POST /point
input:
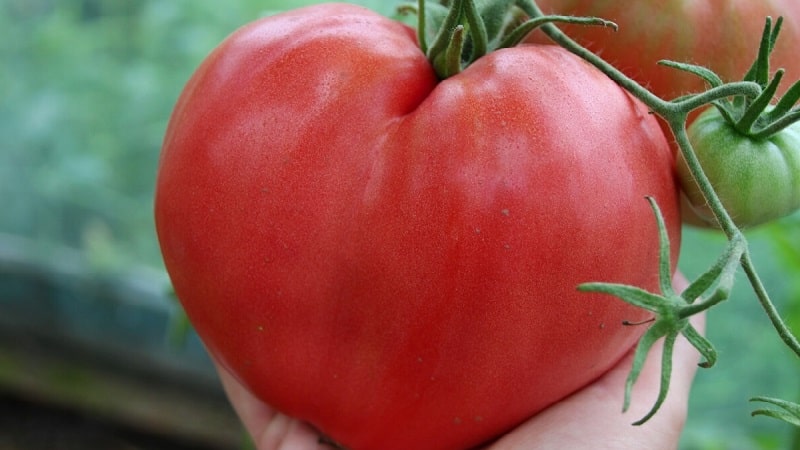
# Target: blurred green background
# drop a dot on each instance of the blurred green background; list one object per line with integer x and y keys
{"x": 86, "y": 89}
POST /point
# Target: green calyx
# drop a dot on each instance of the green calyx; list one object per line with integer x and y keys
{"x": 672, "y": 310}
{"x": 455, "y": 33}
{"x": 755, "y": 117}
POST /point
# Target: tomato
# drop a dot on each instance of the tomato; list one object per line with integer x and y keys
{"x": 757, "y": 180}
{"x": 394, "y": 258}
{"x": 722, "y": 35}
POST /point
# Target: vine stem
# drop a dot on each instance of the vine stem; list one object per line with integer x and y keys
{"x": 777, "y": 321}
{"x": 669, "y": 110}
{"x": 678, "y": 127}
{"x": 676, "y": 114}
{"x": 553, "y": 32}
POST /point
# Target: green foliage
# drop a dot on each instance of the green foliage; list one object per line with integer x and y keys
{"x": 785, "y": 236}
{"x": 87, "y": 91}
{"x": 752, "y": 360}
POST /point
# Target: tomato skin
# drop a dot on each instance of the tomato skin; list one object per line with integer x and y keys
{"x": 722, "y": 35}
{"x": 395, "y": 259}
{"x": 756, "y": 180}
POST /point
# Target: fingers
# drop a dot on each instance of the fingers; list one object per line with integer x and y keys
{"x": 269, "y": 429}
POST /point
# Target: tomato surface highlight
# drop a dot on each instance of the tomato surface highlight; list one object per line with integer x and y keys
{"x": 394, "y": 258}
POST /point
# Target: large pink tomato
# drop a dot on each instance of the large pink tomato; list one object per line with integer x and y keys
{"x": 722, "y": 35}
{"x": 394, "y": 258}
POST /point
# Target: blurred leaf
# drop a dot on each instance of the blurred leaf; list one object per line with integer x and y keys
{"x": 783, "y": 410}
{"x": 785, "y": 236}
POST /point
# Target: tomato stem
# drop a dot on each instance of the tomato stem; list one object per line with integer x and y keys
{"x": 477, "y": 27}
{"x": 422, "y": 20}
{"x": 462, "y": 32}
{"x": 769, "y": 308}
{"x": 556, "y": 35}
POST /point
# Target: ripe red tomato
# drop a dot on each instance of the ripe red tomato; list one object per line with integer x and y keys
{"x": 722, "y": 35}
{"x": 394, "y": 258}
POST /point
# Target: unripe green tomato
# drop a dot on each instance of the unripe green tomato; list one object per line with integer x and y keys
{"x": 757, "y": 180}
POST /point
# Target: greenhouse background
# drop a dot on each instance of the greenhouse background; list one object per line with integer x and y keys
{"x": 90, "y": 339}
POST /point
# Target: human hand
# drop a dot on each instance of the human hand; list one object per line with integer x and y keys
{"x": 591, "y": 418}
